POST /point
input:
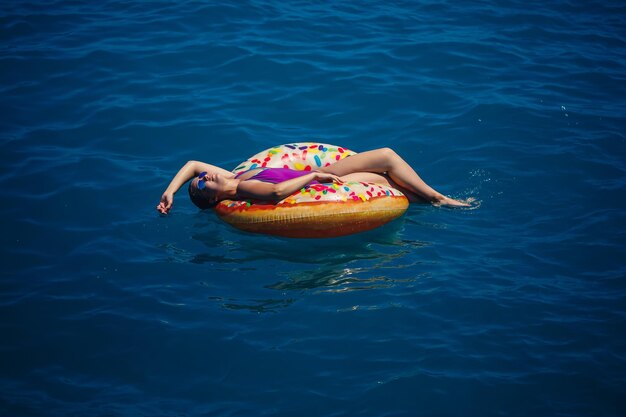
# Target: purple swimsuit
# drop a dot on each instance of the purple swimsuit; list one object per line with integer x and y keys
{"x": 276, "y": 175}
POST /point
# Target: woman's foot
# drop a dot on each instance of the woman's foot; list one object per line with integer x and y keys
{"x": 450, "y": 202}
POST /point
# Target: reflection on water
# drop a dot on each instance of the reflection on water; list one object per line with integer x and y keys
{"x": 342, "y": 279}
{"x": 267, "y": 265}
{"x": 258, "y": 306}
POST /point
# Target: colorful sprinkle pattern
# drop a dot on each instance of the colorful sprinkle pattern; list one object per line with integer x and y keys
{"x": 309, "y": 156}
{"x": 300, "y": 156}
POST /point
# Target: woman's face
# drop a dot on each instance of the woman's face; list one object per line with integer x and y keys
{"x": 213, "y": 185}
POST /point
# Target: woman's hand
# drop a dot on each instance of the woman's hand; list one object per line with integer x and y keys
{"x": 325, "y": 177}
{"x": 167, "y": 199}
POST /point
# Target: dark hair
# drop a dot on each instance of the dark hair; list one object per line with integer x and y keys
{"x": 198, "y": 199}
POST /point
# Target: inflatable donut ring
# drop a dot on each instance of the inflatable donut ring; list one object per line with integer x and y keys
{"x": 317, "y": 210}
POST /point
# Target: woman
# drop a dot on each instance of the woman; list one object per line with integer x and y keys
{"x": 212, "y": 184}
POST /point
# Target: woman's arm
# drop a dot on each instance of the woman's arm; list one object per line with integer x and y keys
{"x": 275, "y": 192}
{"x": 187, "y": 172}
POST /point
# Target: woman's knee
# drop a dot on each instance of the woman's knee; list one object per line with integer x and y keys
{"x": 386, "y": 152}
{"x": 388, "y": 155}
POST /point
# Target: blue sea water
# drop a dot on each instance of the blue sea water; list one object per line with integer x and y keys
{"x": 516, "y": 307}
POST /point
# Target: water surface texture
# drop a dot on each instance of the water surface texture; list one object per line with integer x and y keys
{"x": 516, "y": 307}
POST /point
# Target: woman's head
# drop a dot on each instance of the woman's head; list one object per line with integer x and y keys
{"x": 206, "y": 190}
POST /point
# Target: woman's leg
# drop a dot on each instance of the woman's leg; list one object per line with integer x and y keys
{"x": 385, "y": 160}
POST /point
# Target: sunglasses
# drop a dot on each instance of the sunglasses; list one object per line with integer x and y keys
{"x": 201, "y": 182}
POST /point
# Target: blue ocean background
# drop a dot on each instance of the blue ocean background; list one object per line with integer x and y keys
{"x": 516, "y": 307}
